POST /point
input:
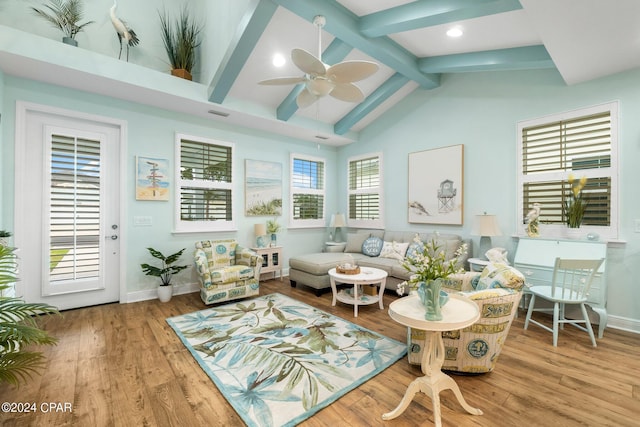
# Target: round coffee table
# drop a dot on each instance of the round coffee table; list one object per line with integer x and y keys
{"x": 459, "y": 312}
{"x": 367, "y": 276}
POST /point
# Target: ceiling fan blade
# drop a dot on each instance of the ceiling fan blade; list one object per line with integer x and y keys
{"x": 347, "y": 92}
{"x": 305, "y": 99}
{"x": 351, "y": 71}
{"x": 307, "y": 62}
{"x": 282, "y": 81}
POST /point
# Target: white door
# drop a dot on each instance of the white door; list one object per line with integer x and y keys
{"x": 67, "y": 210}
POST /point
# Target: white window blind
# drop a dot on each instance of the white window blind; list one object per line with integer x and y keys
{"x": 581, "y": 143}
{"x": 307, "y": 191}
{"x": 365, "y": 191}
{"x": 74, "y": 204}
{"x": 205, "y": 184}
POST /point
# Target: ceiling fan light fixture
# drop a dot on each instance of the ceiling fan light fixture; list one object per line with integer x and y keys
{"x": 320, "y": 86}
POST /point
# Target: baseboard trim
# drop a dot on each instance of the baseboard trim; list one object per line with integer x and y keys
{"x": 623, "y": 323}
{"x": 148, "y": 294}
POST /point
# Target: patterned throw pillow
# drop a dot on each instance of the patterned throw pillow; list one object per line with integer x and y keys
{"x": 394, "y": 250}
{"x": 497, "y": 275}
{"x": 414, "y": 249}
{"x": 372, "y": 246}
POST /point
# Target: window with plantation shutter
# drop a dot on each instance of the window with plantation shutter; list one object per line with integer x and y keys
{"x": 365, "y": 191}
{"x": 578, "y": 144}
{"x": 204, "y": 185}
{"x": 307, "y": 191}
{"x": 74, "y": 209}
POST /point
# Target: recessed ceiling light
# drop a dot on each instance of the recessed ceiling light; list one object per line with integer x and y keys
{"x": 454, "y": 32}
{"x": 278, "y": 60}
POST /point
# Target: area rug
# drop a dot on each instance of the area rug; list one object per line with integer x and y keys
{"x": 278, "y": 361}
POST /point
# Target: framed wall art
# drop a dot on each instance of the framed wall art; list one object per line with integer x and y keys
{"x": 435, "y": 186}
{"x": 263, "y": 188}
{"x": 152, "y": 181}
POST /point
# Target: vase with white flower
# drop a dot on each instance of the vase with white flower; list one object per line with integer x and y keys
{"x": 576, "y": 205}
{"x": 429, "y": 268}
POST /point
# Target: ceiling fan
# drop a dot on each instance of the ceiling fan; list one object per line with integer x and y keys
{"x": 321, "y": 79}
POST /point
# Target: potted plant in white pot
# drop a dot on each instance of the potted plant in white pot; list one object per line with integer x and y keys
{"x": 165, "y": 272}
{"x": 180, "y": 39}
{"x": 65, "y": 15}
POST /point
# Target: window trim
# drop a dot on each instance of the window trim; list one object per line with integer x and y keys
{"x": 202, "y": 226}
{"x": 367, "y": 223}
{"x": 557, "y": 230}
{"x": 307, "y": 223}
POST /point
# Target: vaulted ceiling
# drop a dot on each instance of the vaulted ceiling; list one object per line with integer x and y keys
{"x": 581, "y": 39}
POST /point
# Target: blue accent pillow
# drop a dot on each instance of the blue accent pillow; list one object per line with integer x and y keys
{"x": 414, "y": 248}
{"x": 372, "y": 246}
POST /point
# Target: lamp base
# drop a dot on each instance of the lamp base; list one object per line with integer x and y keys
{"x": 484, "y": 246}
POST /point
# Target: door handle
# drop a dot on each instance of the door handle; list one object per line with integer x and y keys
{"x": 112, "y": 237}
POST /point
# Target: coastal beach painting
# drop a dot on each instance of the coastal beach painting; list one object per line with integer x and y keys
{"x": 152, "y": 181}
{"x": 263, "y": 188}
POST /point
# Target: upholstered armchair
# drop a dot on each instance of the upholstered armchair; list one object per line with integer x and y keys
{"x": 497, "y": 291}
{"x": 226, "y": 270}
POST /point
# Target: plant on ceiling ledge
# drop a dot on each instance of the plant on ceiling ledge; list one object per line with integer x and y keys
{"x": 180, "y": 39}
{"x": 66, "y": 16}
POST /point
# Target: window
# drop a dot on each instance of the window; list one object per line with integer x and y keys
{"x": 365, "y": 191}
{"x": 204, "y": 184}
{"x": 307, "y": 191}
{"x": 580, "y": 143}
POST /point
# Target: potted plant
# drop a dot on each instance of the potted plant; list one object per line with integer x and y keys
{"x": 180, "y": 41}
{"x": 3, "y": 237}
{"x": 65, "y": 15}
{"x": 19, "y": 327}
{"x": 272, "y": 228}
{"x": 575, "y": 206}
{"x": 165, "y": 272}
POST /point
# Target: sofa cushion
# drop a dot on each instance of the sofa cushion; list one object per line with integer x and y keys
{"x": 386, "y": 264}
{"x": 230, "y": 274}
{"x": 355, "y": 241}
{"x": 372, "y": 246}
{"x": 320, "y": 263}
{"x": 394, "y": 250}
{"x": 497, "y": 275}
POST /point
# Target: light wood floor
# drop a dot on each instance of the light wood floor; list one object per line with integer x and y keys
{"x": 121, "y": 365}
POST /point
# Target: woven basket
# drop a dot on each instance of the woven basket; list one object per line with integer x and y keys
{"x": 352, "y": 270}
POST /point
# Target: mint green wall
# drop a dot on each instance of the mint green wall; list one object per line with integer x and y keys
{"x": 2, "y": 153}
{"x": 481, "y": 111}
{"x": 151, "y": 133}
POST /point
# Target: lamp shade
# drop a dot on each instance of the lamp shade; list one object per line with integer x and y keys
{"x": 260, "y": 229}
{"x": 338, "y": 220}
{"x": 486, "y": 225}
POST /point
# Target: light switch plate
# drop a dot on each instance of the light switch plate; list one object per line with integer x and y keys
{"x": 142, "y": 221}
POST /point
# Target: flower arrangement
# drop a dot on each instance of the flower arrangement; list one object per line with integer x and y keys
{"x": 429, "y": 263}
{"x": 575, "y": 205}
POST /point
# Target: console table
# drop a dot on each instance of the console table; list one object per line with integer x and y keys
{"x": 535, "y": 258}
{"x": 459, "y": 312}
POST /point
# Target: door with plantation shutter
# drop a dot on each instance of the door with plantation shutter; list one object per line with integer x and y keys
{"x": 70, "y": 241}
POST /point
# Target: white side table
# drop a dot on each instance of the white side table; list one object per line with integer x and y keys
{"x": 459, "y": 312}
{"x": 367, "y": 276}
{"x": 477, "y": 264}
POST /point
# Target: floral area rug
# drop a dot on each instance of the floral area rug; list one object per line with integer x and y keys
{"x": 278, "y": 361}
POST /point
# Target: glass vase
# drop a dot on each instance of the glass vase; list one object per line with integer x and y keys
{"x": 433, "y": 298}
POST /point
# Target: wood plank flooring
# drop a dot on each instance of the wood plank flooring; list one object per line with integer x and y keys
{"x": 121, "y": 365}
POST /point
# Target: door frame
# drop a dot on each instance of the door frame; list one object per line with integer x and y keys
{"x": 23, "y": 108}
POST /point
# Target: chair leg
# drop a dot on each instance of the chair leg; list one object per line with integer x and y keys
{"x": 588, "y": 324}
{"x": 556, "y": 314}
{"x": 562, "y": 318}
{"x": 532, "y": 302}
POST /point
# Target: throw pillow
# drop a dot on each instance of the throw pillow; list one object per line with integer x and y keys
{"x": 497, "y": 275}
{"x": 394, "y": 250}
{"x": 413, "y": 249}
{"x": 355, "y": 241}
{"x": 372, "y": 246}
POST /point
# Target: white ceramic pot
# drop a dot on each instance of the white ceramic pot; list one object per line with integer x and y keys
{"x": 573, "y": 233}
{"x": 165, "y": 293}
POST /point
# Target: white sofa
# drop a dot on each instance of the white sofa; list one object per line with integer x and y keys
{"x": 312, "y": 269}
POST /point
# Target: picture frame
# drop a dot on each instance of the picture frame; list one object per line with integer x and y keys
{"x": 435, "y": 188}
{"x": 263, "y": 188}
{"x": 152, "y": 181}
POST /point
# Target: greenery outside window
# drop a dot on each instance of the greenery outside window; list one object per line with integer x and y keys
{"x": 365, "y": 191}
{"x": 582, "y": 143}
{"x": 307, "y": 191}
{"x": 204, "y": 184}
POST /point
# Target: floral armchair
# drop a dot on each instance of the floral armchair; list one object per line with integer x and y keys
{"x": 475, "y": 349}
{"x": 226, "y": 270}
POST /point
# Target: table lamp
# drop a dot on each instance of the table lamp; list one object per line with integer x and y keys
{"x": 486, "y": 226}
{"x": 260, "y": 230}
{"x": 337, "y": 220}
